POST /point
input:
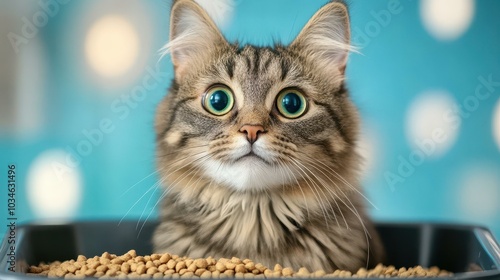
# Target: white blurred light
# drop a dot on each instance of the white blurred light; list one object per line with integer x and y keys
{"x": 496, "y": 124}
{"x": 112, "y": 46}
{"x": 53, "y": 188}
{"x": 369, "y": 150}
{"x": 447, "y": 19}
{"x": 426, "y": 120}
{"x": 480, "y": 192}
{"x": 221, "y": 11}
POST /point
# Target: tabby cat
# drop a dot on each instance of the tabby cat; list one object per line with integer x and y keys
{"x": 257, "y": 148}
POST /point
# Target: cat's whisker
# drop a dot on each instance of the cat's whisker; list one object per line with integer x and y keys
{"x": 177, "y": 151}
{"x": 367, "y": 233}
{"x": 191, "y": 162}
{"x": 164, "y": 193}
{"x": 172, "y": 165}
{"x": 282, "y": 166}
{"x": 198, "y": 169}
{"x": 332, "y": 192}
{"x": 216, "y": 171}
{"x": 155, "y": 186}
{"x": 360, "y": 219}
{"x": 339, "y": 189}
{"x": 354, "y": 210}
{"x": 195, "y": 169}
{"x": 181, "y": 157}
{"x": 315, "y": 192}
{"x": 127, "y": 190}
{"x": 144, "y": 210}
{"x": 342, "y": 179}
{"x": 321, "y": 189}
{"x": 137, "y": 201}
{"x": 187, "y": 173}
{"x": 356, "y": 213}
{"x": 354, "y": 188}
{"x": 282, "y": 174}
{"x": 190, "y": 170}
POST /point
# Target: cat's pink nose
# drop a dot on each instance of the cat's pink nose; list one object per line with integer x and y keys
{"x": 252, "y": 132}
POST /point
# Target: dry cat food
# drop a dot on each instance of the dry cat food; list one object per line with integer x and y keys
{"x": 165, "y": 266}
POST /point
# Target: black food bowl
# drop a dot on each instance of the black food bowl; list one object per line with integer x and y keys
{"x": 467, "y": 251}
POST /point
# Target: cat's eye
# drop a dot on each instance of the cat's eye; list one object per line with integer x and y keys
{"x": 291, "y": 103}
{"x": 218, "y": 100}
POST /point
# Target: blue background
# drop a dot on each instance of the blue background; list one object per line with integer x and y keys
{"x": 397, "y": 64}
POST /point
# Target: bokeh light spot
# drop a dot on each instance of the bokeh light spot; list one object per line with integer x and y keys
{"x": 479, "y": 192}
{"x": 369, "y": 150}
{"x": 431, "y": 124}
{"x": 112, "y": 46}
{"x": 447, "y": 19}
{"x": 53, "y": 187}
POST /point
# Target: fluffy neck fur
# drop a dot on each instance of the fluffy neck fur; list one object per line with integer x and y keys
{"x": 285, "y": 226}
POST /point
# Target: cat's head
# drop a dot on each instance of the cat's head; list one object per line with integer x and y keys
{"x": 253, "y": 118}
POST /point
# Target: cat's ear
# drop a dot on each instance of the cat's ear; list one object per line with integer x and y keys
{"x": 192, "y": 35}
{"x": 326, "y": 37}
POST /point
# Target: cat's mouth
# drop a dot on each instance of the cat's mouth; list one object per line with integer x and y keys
{"x": 251, "y": 156}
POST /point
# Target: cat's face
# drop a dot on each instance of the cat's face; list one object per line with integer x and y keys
{"x": 256, "y": 118}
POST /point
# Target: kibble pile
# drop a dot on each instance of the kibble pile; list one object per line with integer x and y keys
{"x": 161, "y": 266}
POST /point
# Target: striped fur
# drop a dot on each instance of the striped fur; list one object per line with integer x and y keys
{"x": 299, "y": 204}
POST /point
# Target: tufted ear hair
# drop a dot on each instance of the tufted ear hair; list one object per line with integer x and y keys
{"x": 326, "y": 37}
{"x": 193, "y": 34}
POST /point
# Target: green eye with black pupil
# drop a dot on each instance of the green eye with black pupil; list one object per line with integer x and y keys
{"x": 218, "y": 100}
{"x": 291, "y": 104}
